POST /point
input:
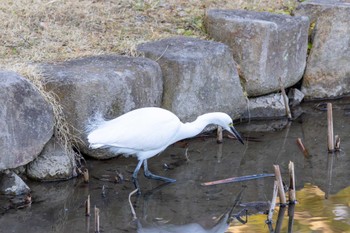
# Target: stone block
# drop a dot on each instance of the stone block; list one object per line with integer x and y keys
{"x": 270, "y": 49}
{"x": 264, "y": 107}
{"x": 12, "y": 184}
{"x": 199, "y": 76}
{"x": 109, "y": 85}
{"x": 54, "y": 163}
{"x": 328, "y": 71}
{"x": 26, "y": 121}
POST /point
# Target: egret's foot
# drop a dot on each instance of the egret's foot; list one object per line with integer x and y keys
{"x": 150, "y": 175}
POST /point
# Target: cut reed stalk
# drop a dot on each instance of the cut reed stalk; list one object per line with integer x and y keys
{"x": 219, "y": 138}
{"x": 281, "y": 191}
{"x": 87, "y": 206}
{"x": 86, "y": 175}
{"x": 330, "y": 127}
{"x": 292, "y": 195}
{"x": 97, "y": 220}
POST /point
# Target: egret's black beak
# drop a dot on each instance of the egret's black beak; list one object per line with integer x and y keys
{"x": 236, "y": 134}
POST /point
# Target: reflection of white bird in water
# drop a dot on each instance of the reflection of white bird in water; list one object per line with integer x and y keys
{"x": 145, "y": 132}
{"x": 220, "y": 227}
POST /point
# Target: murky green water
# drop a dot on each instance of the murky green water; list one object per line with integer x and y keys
{"x": 186, "y": 206}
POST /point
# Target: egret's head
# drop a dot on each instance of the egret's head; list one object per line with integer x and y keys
{"x": 226, "y": 123}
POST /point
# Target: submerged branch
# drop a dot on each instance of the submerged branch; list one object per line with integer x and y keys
{"x": 131, "y": 206}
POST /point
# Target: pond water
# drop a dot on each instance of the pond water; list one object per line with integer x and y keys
{"x": 322, "y": 182}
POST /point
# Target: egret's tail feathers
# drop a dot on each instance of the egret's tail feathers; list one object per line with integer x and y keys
{"x": 95, "y": 146}
{"x": 94, "y": 122}
{"x": 115, "y": 150}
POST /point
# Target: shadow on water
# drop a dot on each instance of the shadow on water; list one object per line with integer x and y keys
{"x": 322, "y": 184}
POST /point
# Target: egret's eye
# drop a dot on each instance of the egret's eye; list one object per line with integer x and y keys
{"x": 231, "y": 124}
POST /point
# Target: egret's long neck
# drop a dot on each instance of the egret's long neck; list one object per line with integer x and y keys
{"x": 192, "y": 129}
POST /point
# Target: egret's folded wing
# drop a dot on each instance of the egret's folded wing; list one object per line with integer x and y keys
{"x": 141, "y": 132}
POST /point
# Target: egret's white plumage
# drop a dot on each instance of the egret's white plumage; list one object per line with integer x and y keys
{"x": 145, "y": 132}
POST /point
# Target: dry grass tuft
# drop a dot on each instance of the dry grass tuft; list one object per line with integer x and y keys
{"x": 55, "y": 30}
{"x": 62, "y": 130}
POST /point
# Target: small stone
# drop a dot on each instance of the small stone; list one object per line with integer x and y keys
{"x": 295, "y": 97}
{"x": 12, "y": 184}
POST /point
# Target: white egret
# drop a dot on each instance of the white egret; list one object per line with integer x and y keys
{"x": 145, "y": 132}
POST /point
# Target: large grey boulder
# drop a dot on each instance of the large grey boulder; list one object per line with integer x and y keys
{"x": 54, "y": 163}
{"x": 110, "y": 85}
{"x": 26, "y": 121}
{"x": 199, "y": 76}
{"x": 328, "y": 66}
{"x": 270, "y": 49}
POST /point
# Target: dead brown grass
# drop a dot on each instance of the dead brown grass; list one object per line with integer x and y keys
{"x": 37, "y": 30}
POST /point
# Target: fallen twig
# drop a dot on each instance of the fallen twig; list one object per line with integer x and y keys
{"x": 286, "y": 105}
{"x": 237, "y": 179}
{"x": 302, "y": 148}
{"x": 162, "y": 53}
{"x": 131, "y": 206}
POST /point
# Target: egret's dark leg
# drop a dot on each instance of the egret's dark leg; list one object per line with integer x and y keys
{"x": 150, "y": 175}
{"x": 134, "y": 176}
